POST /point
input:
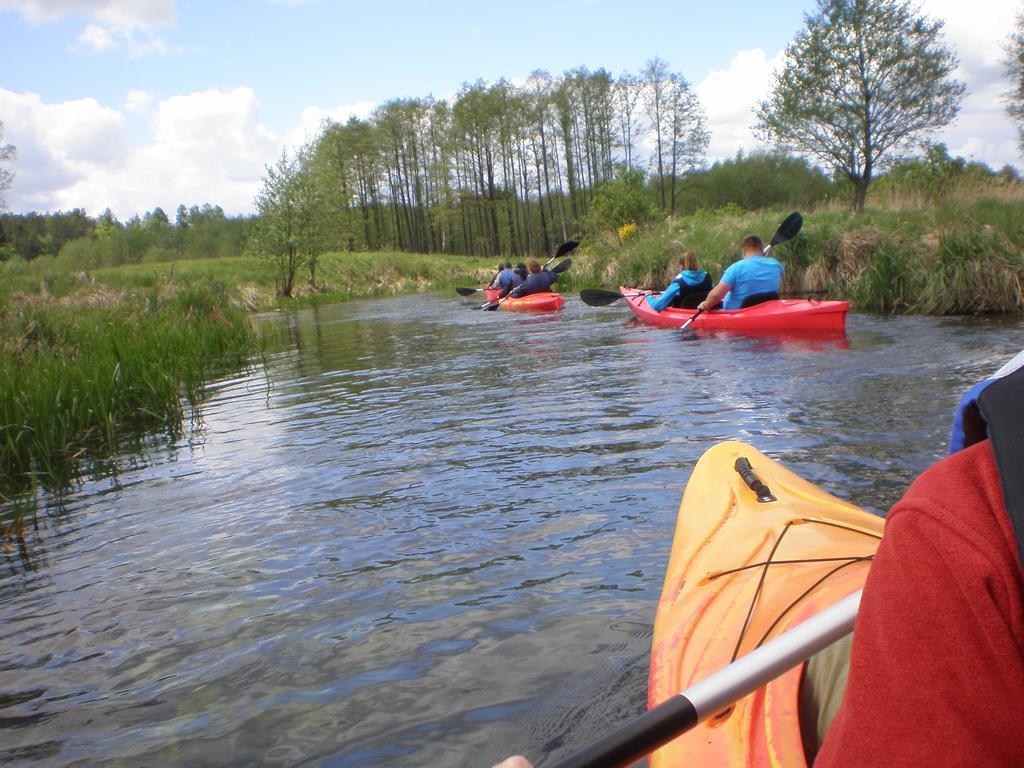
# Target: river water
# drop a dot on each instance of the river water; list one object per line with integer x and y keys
{"x": 426, "y": 535}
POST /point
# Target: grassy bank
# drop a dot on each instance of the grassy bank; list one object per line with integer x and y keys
{"x": 248, "y": 282}
{"x": 78, "y": 381}
{"x": 945, "y": 259}
{"x": 92, "y": 360}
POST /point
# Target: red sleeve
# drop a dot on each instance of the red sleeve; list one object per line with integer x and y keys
{"x": 937, "y": 667}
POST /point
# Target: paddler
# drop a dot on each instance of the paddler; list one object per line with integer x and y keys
{"x": 513, "y": 279}
{"x": 688, "y": 288}
{"x": 539, "y": 280}
{"x": 937, "y": 667}
{"x": 504, "y": 271}
{"x": 937, "y": 661}
{"x": 756, "y": 277}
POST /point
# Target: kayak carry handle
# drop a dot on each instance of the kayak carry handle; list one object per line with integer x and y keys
{"x": 764, "y": 493}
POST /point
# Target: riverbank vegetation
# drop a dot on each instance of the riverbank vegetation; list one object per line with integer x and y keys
{"x": 947, "y": 259}
{"x": 86, "y": 376}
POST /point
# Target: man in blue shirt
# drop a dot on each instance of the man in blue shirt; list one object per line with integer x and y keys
{"x": 754, "y": 274}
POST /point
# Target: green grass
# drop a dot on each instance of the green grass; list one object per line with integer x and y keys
{"x": 248, "y": 281}
{"x": 77, "y": 384}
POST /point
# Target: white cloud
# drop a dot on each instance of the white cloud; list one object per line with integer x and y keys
{"x": 313, "y": 117}
{"x": 57, "y": 144}
{"x": 730, "y": 97}
{"x": 978, "y": 32}
{"x": 96, "y": 38}
{"x": 127, "y": 14}
{"x": 119, "y": 25}
{"x": 137, "y": 102}
{"x": 205, "y": 147}
{"x": 107, "y": 39}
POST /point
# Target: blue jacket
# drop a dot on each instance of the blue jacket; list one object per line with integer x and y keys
{"x": 536, "y": 283}
{"x": 686, "y": 282}
{"x": 509, "y": 279}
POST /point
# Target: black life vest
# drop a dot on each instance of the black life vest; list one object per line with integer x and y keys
{"x": 995, "y": 409}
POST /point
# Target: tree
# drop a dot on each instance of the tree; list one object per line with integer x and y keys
{"x": 628, "y": 90}
{"x": 288, "y": 231}
{"x": 621, "y": 200}
{"x": 657, "y": 85}
{"x": 863, "y": 80}
{"x": 687, "y": 132}
{"x": 1015, "y": 71}
{"x": 7, "y": 152}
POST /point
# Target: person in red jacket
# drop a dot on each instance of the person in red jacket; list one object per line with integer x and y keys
{"x": 937, "y": 665}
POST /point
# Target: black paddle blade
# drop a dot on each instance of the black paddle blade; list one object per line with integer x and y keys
{"x": 467, "y": 291}
{"x": 564, "y": 248}
{"x": 561, "y": 266}
{"x": 491, "y": 307}
{"x": 596, "y": 297}
{"x": 789, "y": 228}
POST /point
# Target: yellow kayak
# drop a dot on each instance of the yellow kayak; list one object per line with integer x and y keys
{"x": 757, "y": 550}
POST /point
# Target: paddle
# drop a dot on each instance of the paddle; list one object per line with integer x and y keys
{"x": 564, "y": 248}
{"x": 693, "y": 317}
{"x": 720, "y": 690}
{"x": 596, "y": 297}
{"x": 788, "y": 229}
{"x": 468, "y": 291}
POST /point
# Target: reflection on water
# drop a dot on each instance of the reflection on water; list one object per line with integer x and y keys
{"x": 429, "y": 535}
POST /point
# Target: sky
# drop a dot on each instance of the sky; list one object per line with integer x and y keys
{"x": 137, "y": 104}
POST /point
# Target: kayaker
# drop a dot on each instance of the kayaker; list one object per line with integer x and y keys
{"x": 513, "y": 279}
{"x": 937, "y": 665}
{"x": 503, "y": 270}
{"x": 754, "y": 278}
{"x": 688, "y": 288}
{"x": 538, "y": 281}
{"x": 509, "y": 279}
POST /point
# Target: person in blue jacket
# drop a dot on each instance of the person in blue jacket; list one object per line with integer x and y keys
{"x": 510, "y": 278}
{"x": 538, "y": 281}
{"x": 687, "y": 289}
{"x": 755, "y": 276}
{"x": 503, "y": 270}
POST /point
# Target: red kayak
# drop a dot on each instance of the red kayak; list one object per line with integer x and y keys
{"x": 778, "y": 315}
{"x": 535, "y": 302}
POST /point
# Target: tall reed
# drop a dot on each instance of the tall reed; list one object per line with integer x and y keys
{"x": 76, "y": 381}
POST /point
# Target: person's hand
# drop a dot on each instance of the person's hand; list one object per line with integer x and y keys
{"x": 702, "y": 306}
{"x": 517, "y": 761}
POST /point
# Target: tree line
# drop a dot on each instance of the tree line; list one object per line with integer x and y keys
{"x": 503, "y": 168}
{"x": 512, "y": 169}
{"x": 85, "y": 242}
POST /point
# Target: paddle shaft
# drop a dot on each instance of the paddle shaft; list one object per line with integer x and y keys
{"x": 693, "y": 317}
{"x": 718, "y": 691}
